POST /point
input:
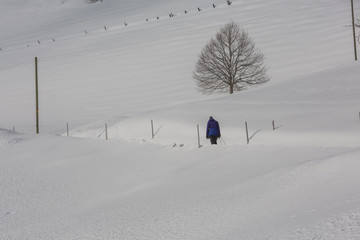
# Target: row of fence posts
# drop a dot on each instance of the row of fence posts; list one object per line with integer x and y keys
{"x": 126, "y": 24}
{"x": 153, "y": 133}
{"x": 198, "y": 131}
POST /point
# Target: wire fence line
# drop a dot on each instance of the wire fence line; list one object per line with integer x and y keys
{"x": 102, "y": 132}
{"x": 50, "y": 40}
{"x": 244, "y": 134}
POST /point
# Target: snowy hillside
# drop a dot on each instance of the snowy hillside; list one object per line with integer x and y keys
{"x": 299, "y": 181}
{"x": 148, "y": 65}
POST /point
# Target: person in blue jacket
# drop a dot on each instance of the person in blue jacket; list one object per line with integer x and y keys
{"x": 213, "y": 130}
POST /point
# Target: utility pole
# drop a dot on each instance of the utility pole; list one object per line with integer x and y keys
{"x": 37, "y": 96}
{"x": 353, "y": 27}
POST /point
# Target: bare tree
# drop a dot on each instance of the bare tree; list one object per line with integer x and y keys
{"x": 229, "y": 62}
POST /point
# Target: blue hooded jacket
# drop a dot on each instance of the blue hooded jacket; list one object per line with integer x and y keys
{"x": 213, "y": 128}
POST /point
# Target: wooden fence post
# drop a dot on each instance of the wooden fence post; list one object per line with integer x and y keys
{"x": 152, "y": 129}
{"x": 67, "y": 129}
{"x": 247, "y": 133}
{"x": 273, "y": 124}
{"x": 106, "y": 133}
{"x": 36, "y": 96}
{"x": 198, "y": 133}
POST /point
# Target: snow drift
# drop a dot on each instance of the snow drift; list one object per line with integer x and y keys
{"x": 298, "y": 181}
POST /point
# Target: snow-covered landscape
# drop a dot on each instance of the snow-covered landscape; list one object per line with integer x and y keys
{"x": 126, "y": 63}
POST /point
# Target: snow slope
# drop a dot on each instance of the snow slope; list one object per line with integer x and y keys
{"x": 87, "y": 77}
{"x": 298, "y": 181}
{"x": 119, "y": 190}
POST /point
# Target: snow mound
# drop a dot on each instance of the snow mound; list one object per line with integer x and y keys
{"x": 9, "y": 137}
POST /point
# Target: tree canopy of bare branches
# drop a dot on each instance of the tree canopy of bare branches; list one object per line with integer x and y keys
{"x": 230, "y": 62}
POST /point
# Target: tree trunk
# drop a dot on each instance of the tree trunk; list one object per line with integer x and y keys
{"x": 231, "y": 88}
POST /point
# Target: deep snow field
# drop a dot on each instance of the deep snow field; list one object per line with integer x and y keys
{"x": 299, "y": 181}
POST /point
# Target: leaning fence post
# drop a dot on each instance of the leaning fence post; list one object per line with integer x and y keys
{"x": 273, "y": 124}
{"x": 152, "y": 129}
{"x": 247, "y": 133}
{"x": 106, "y": 133}
{"x": 198, "y": 133}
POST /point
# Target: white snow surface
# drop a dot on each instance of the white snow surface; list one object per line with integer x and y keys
{"x": 299, "y": 181}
